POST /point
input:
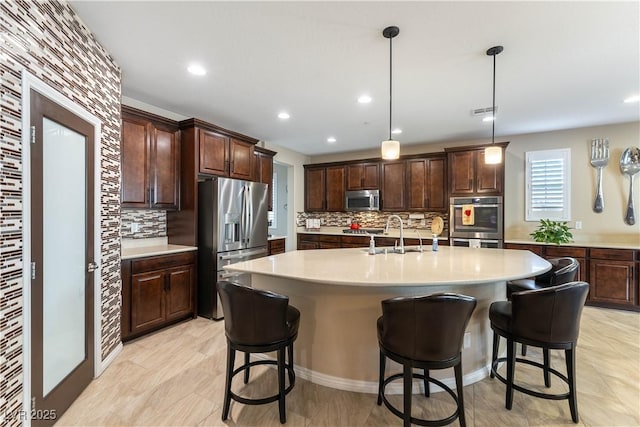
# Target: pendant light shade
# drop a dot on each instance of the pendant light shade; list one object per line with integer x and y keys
{"x": 390, "y": 147}
{"x": 493, "y": 153}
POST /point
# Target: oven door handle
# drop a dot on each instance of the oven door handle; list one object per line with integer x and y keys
{"x": 478, "y": 206}
{"x": 243, "y": 255}
{"x": 230, "y": 275}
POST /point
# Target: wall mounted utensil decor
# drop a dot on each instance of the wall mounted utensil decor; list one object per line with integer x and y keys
{"x": 630, "y": 166}
{"x": 599, "y": 159}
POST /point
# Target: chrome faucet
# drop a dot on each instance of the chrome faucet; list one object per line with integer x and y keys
{"x": 386, "y": 230}
{"x": 420, "y": 239}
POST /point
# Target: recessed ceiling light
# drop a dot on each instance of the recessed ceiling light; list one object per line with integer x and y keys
{"x": 331, "y": 140}
{"x": 364, "y": 99}
{"x": 283, "y": 115}
{"x": 488, "y": 119}
{"x": 396, "y": 131}
{"x": 634, "y": 98}
{"x": 196, "y": 70}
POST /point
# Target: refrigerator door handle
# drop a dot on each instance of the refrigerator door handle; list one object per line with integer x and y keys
{"x": 249, "y": 214}
{"x": 243, "y": 216}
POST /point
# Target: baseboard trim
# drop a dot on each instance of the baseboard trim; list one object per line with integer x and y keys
{"x": 372, "y": 386}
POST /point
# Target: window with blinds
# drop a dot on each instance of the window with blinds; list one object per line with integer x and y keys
{"x": 548, "y": 186}
{"x": 271, "y": 215}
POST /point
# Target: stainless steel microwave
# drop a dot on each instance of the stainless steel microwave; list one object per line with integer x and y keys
{"x": 362, "y": 200}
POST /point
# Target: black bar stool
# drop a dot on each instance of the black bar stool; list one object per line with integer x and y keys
{"x": 424, "y": 332}
{"x": 257, "y": 321}
{"x": 563, "y": 270}
{"x": 548, "y": 318}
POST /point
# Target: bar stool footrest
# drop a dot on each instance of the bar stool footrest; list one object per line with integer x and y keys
{"x": 419, "y": 421}
{"x": 247, "y": 401}
{"x": 549, "y": 396}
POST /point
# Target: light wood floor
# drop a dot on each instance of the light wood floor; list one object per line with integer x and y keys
{"x": 176, "y": 377}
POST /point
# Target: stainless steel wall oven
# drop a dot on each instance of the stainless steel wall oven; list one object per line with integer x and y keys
{"x": 479, "y": 217}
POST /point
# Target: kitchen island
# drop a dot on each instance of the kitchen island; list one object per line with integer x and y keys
{"x": 338, "y": 292}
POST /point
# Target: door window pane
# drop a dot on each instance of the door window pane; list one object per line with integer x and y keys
{"x": 64, "y": 254}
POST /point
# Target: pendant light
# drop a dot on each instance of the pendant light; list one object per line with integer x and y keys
{"x": 493, "y": 153}
{"x": 390, "y": 147}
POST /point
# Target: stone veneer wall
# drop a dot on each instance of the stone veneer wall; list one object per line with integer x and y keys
{"x": 153, "y": 223}
{"x": 47, "y": 39}
{"x": 374, "y": 219}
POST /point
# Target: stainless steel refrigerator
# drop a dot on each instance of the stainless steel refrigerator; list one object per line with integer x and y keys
{"x": 232, "y": 227}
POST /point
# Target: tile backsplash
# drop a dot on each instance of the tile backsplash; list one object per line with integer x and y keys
{"x": 374, "y": 219}
{"x": 151, "y": 223}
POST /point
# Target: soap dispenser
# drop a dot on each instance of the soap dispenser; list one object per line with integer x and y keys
{"x": 372, "y": 245}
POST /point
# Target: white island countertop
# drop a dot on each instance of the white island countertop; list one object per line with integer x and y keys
{"x": 355, "y": 267}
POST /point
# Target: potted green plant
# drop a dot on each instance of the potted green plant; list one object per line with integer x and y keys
{"x": 552, "y": 232}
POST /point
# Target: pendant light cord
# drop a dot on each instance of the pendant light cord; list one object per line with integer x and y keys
{"x": 493, "y": 122}
{"x": 391, "y": 81}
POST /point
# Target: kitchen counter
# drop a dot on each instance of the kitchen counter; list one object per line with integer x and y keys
{"x": 140, "y": 248}
{"x": 612, "y": 242}
{"x": 338, "y": 292}
{"x": 276, "y": 237}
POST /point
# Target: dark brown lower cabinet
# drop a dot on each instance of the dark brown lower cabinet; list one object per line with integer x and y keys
{"x": 157, "y": 291}
{"x": 612, "y": 274}
{"x": 327, "y": 241}
{"x": 613, "y": 277}
{"x": 276, "y": 246}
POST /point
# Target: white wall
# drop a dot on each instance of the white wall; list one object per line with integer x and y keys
{"x": 295, "y": 183}
{"x": 615, "y": 186}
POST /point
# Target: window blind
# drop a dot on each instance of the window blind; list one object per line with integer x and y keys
{"x": 547, "y": 185}
{"x": 271, "y": 215}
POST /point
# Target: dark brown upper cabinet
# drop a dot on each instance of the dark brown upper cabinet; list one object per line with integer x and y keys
{"x": 263, "y": 170}
{"x": 427, "y": 183}
{"x": 324, "y": 188}
{"x": 214, "y": 153}
{"x": 335, "y": 188}
{"x": 225, "y": 156}
{"x": 393, "y": 186}
{"x": 314, "y": 189}
{"x": 240, "y": 159}
{"x": 150, "y": 160}
{"x": 363, "y": 176}
{"x": 469, "y": 175}
{"x": 207, "y": 151}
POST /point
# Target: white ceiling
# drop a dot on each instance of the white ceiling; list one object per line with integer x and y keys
{"x": 564, "y": 65}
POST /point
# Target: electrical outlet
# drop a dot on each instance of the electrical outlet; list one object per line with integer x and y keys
{"x": 135, "y": 227}
{"x": 347, "y": 221}
{"x": 467, "y": 340}
{"x": 423, "y": 222}
{"x": 578, "y": 225}
{"x": 409, "y": 222}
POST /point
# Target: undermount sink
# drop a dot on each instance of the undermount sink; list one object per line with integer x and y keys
{"x": 390, "y": 250}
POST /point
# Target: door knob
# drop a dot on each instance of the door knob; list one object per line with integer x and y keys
{"x": 92, "y": 266}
